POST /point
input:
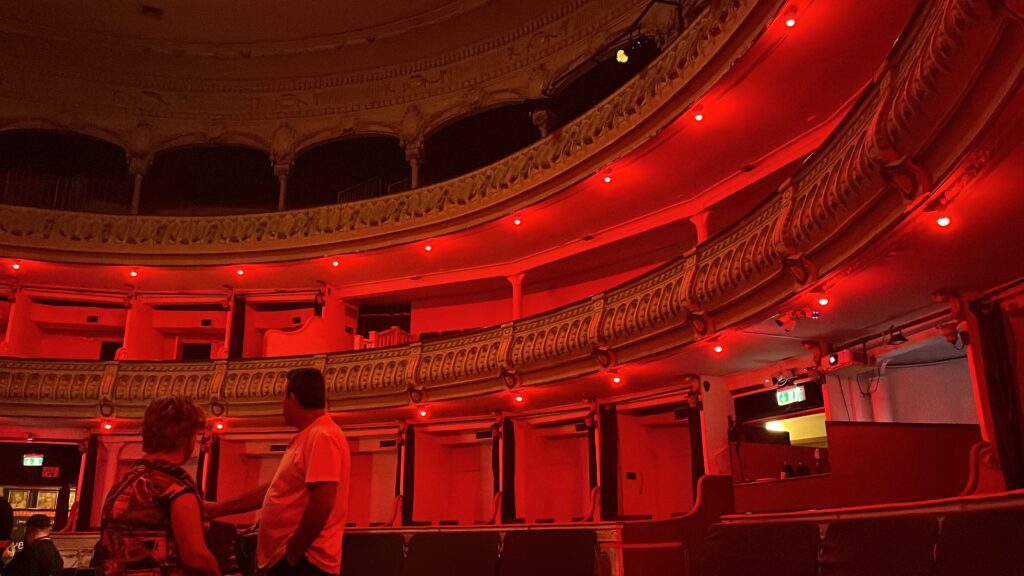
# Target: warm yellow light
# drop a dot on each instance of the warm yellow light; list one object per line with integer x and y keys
{"x": 621, "y": 57}
{"x": 774, "y": 426}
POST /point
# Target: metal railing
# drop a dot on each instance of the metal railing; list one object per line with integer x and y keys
{"x": 77, "y": 193}
{"x": 374, "y": 187}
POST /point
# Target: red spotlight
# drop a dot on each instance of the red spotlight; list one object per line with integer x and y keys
{"x": 823, "y": 301}
{"x": 240, "y": 272}
{"x": 607, "y": 179}
{"x": 699, "y": 116}
{"x": 719, "y": 349}
{"x": 335, "y": 263}
{"x": 791, "y": 22}
{"x": 520, "y": 398}
{"x": 219, "y": 425}
{"x": 943, "y": 220}
{"x": 428, "y": 247}
{"x": 108, "y": 426}
{"x": 517, "y": 221}
{"x": 134, "y": 273}
{"x": 423, "y": 412}
{"x": 16, "y": 266}
{"x": 616, "y": 379}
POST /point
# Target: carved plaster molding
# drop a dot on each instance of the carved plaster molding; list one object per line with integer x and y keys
{"x": 725, "y": 30}
{"x": 838, "y": 204}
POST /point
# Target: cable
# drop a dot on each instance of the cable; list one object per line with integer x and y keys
{"x": 843, "y": 394}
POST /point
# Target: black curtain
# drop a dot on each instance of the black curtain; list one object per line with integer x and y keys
{"x": 237, "y": 337}
{"x": 609, "y": 463}
{"x": 508, "y": 497}
{"x": 696, "y": 448}
{"x": 410, "y": 458}
{"x": 995, "y": 339}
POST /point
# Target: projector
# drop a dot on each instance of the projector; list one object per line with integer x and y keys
{"x": 849, "y": 361}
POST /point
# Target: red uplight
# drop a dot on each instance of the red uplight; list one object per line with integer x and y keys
{"x": 943, "y": 221}
{"x": 517, "y": 221}
{"x": 134, "y": 273}
{"x": 108, "y": 426}
{"x": 718, "y": 348}
{"x": 823, "y": 301}
{"x": 699, "y": 116}
{"x": 335, "y": 263}
{"x": 423, "y": 412}
{"x": 16, "y": 266}
{"x": 520, "y": 398}
{"x": 616, "y": 379}
{"x": 240, "y": 272}
{"x": 791, "y": 22}
{"x": 428, "y": 247}
{"x": 219, "y": 426}
{"x": 607, "y": 179}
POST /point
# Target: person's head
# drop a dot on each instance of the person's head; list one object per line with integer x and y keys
{"x": 303, "y": 396}
{"x": 37, "y": 526}
{"x": 170, "y": 426}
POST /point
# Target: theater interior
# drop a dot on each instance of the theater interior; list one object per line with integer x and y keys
{"x": 598, "y": 287}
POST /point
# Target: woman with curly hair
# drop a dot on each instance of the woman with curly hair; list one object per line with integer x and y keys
{"x": 152, "y": 520}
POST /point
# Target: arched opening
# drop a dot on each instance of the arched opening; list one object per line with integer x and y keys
{"x": 598, "y": 78}
{"x": 476, "y": 141}
{"x": 64, "y": 171}
{"x": 348, "y": 170}
{"x": 209, "y": 180}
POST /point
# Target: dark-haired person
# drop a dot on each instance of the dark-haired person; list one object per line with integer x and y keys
{"x": 6, "y": 524}
{"x": 305, "y": 505}
{"x": 40, "y": 556}
{"x": 152, "y": 521}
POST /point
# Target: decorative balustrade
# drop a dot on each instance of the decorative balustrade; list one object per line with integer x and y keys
{"x": 622, "y": 122}
{"x": 856, "y": 187}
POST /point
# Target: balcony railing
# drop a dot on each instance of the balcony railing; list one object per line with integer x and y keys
{"x": 75, "y": 193}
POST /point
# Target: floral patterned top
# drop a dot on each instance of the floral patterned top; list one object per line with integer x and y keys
{"x": 136, "y": 537}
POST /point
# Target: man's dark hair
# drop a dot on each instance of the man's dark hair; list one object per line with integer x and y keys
{"x": 307, "y": 385}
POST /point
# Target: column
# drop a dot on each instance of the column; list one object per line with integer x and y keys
{"x": 517, "y": 294}
{"x": 413, "y": 155}
{"x": 700, "y": 222}
{"x": 137, "y": 168}
{"x": 22, "y": 332}
{"x": 281, "y": 170}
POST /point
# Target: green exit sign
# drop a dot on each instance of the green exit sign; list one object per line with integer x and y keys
{"x": 790, "y": 395}
{"x": 32, "y": 460}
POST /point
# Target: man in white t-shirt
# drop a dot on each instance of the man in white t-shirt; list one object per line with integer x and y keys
{"x": 305, "y": 505}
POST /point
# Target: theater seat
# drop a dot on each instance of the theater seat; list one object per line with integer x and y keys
{"x": 549, "y": 553}
{"x": 372, "y": 554}
{"x": 761, "y": 550}
{"x": 880, "y": 547}
{"x": 990, "y": 542}
{"x": 447, "y": 554}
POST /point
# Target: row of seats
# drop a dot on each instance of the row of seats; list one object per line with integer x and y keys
{"x": 989, "y": 543}
{"x": 513, "y": 553}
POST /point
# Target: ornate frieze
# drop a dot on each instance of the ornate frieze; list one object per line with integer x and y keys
{"x": 613, "y": 127}
{"x": 837, "y": 204}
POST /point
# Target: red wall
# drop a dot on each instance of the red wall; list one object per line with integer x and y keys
{"x": 552, "y": 472}
{"x": 873, "y": 463}
{"x": 656, "y": 448}
{"x": 453, "y": 479}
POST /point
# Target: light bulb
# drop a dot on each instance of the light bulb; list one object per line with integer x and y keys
{"x": 791, "y": 22}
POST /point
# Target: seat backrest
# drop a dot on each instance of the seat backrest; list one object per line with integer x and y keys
{"x": 989, "y": 542}
{"x": 880, "y": 547}
{"x": 549, "y": 553}
{"x": 761, "y": 550}
{"x": 372, "y": 554}
{"x": 449, "y": 553}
